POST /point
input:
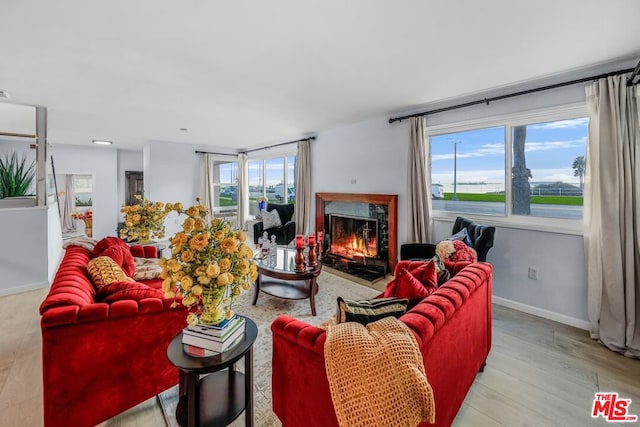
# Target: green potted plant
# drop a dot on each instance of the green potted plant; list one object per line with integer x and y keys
{"x": 16, "y": 176}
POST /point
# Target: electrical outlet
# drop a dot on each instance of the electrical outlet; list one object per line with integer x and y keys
{"x": 533, "y": 273}
{"x": 353, "y": 180}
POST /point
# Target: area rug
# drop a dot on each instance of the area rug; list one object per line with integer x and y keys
{"x": 263, "y": 313}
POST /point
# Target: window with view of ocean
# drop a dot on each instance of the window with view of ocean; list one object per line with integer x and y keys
{"x": 533, "y": 169}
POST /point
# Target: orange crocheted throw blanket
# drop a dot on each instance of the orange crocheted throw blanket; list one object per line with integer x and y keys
{"x": 376, "y": 375}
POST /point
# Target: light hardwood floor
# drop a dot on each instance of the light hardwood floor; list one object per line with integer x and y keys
{"x": 539, "y": 373}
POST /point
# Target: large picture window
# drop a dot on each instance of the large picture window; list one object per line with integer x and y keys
{"x": 225, "y": 185}
{"x": 527, "y": 166}
{"x": 272, "y": 178}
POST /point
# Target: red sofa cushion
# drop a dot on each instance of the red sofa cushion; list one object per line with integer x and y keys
{"x": 406, "y": 285}
{"x": 122, "y": 290}
{"x": 117, "y": 250}
{"x": 122, "y": 257}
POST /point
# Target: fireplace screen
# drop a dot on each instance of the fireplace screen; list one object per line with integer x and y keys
{"x": 353, "y": 237}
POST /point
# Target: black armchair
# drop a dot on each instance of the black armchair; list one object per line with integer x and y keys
{"x": 482, "y": 237}
{"x": 284, "y": 234}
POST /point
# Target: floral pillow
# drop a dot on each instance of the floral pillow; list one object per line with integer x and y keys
{"x": 271, "y": 219}
{"x": 103, "y": 270}
{"x": 455, "y": 250}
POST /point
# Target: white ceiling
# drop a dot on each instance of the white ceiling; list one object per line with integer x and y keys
{"x": 244, "y": 74}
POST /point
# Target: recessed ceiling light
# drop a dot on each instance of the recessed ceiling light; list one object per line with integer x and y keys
{"x": 4, "y": 94}
{"x": 184, "y": 129}
{"x": 102, "y": 142}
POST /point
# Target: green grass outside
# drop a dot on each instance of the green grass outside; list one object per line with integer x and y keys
{"x": 499, "y": 198}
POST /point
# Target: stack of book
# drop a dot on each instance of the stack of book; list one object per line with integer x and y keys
{"x": 217, "y": 338}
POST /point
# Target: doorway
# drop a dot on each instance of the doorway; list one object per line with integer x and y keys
{"x": 134, "y": 185}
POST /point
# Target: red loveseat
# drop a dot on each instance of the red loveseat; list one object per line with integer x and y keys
{"x": 99, "y": 359}
{"x": 453, "y": 330}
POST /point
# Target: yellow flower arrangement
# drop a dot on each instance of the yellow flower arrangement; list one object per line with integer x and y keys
{"x": 210, "y": 266}
{"x": 144, "y": 219}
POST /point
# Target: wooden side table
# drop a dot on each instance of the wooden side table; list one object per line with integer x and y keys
{"x": 220, "y": 397}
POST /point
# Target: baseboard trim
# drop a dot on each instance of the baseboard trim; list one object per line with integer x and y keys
{"x": 23, "y": 288}
{"x": 541, "y": 312}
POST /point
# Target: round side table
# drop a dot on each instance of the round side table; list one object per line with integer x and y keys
{"x": 220, "y": 397}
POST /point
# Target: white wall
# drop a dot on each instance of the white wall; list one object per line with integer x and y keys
{"x": 24, "y": 249}
{"x": 128, "y": 160}
{"x": 372, "y": 153}
{"x": 54, "y": 240}
{"x": 559, "y": 293}
{"x": 102, "y": 164}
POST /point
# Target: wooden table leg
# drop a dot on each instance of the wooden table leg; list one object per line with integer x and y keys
{"x": 182, "y": 383}
{"x": 193, "y": 400}
{"x": 255, "y": 296}
{"x": 248, "y": 387}
{"x": 313, "y": 290}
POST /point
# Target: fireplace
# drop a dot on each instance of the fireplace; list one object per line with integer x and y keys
{"x": 360, "y": 233}
{"x": 353, "y": 237}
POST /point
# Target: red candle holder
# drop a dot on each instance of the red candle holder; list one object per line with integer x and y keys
{"x": 299, "y": 258}
{"x": 312, "y": 251}
{"x": 320, "y": 238}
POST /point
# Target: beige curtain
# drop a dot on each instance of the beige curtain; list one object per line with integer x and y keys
{"x": 69, "y": 204}
{"x": 303, "y": 187}
{"x": 612, "y": 215}
{"x": 418, "y": 184}
{"x": 243, "y": 190}
{"x": 206, "y": 180}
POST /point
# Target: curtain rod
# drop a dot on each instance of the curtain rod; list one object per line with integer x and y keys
{"x": 218, "y": 154}
{"x": 311, "y": 138}
{"x": 512, "y": 95}
{"x": 633, "y": 75}
{"x": 17, "y": 135}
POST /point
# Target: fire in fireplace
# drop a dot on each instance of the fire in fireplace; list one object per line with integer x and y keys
{"x": 353, "y": 237}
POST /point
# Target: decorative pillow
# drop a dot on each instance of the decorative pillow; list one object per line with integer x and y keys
{"x": 442, "y": 272}
{"x": 405, "y": 285}
{"x": 121, "y": 290}
{"x": 103, "y": 270}
{"x": 122, "y": 257}
{"x": 455, "y": 250}
{"x": 148, "y": 271}
{"x": 271, "y": 219}
{"x": 367, "y": 311}
{"x": 84, "y": 242}
{"x": 108, "y": 242}
{"x": 463, "y": 236}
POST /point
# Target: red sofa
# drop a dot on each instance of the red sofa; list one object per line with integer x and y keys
{"x": 99, "y": 359}
{"x": 453, "y": 330}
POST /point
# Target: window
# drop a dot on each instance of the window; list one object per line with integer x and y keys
{"x": 525, "y": 166}
{"x": 83, "y": 190}
{"x": 273, "y": 178}
{"x": 225, "y": 184}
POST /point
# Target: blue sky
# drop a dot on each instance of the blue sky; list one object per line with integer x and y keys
{"x": 550, "y": 151}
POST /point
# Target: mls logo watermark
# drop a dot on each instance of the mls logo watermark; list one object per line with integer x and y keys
{"x": 612, "y": 408}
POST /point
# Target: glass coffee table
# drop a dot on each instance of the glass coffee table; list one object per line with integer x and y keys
{"x": 278, "y": 277}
